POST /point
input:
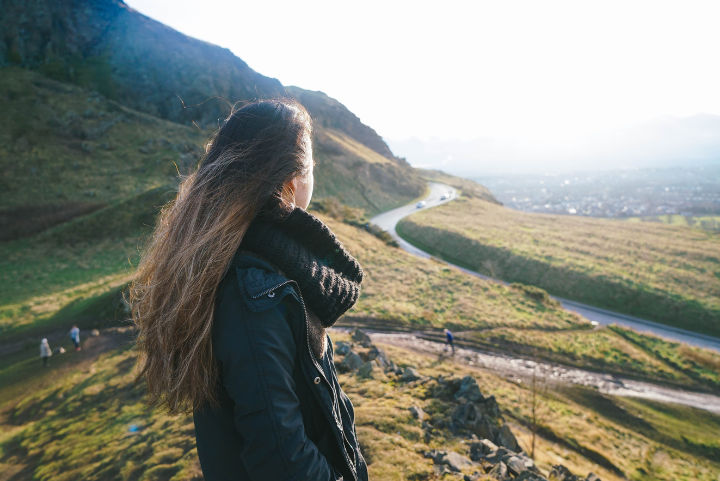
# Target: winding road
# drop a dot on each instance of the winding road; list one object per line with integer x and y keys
{"x": 388, "y": 221}
{"x": 505, "y": 364}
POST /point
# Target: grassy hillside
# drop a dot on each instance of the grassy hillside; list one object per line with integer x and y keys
{"x": 661, "y": 272}
{"x": 83, "y": 418}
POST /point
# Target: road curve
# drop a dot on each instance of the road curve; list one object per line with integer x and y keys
{"x": 388, "y": 221}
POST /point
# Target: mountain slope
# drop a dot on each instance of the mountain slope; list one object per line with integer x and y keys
{"x": 107, "y": 47}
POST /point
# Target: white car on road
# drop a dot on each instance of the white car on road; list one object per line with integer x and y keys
{"x": 421, "y": 204}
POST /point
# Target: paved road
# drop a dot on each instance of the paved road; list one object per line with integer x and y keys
{"x": 388, "y": 220}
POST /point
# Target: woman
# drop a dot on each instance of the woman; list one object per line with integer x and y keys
{"x": 232, "y": 299}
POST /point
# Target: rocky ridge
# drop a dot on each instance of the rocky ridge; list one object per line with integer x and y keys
{"x": 493, "y": 450}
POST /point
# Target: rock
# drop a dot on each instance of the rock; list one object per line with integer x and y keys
{"x": 94, "y": 333}
{"x": 499, "y": 472}
{"x": 440, "y": 470}
{"x": 516, "y": 465}
{"x": 144, "y": 150}
{"x": 87, "y": 147}
{"x": 456, "y": 462}
{"x": 561, "y": 473}
{"x": 486, "y": 429}
{"x": 379, "y": 355}
{"x": 469, "y": 390}
{"x": 506, "y": 438}
{"x": 410, "y": 374}
{"x": 342, "y": 348}
{"x": 370, "y": 370}
{"x": 469, "y": 416}
{"x": 476, "y": 476}
{"x": 352, "y": 362}
{"x": 361, "y": 337}
{"x": 480, "y": 449}
{"x": 418, "y": 413}
{"x": 592, "y": 477}
{"x": 491, "y": 406}
{"x": 496, "y": 456}
{"x": 529, "y": 476}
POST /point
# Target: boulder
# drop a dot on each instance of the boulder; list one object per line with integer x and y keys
{"x": 491, "y": 406}
{"x": 379, "y": 355}
{"x": 441, "y": 470}
{"x": 469, "y": 390}
{"x": 456, "y": 462}
{"x": 506, "y": 438}
{"x": 369, "y": 370}
{"x": 486, "y": 429}
{"x": 342, "y": 348}
{"x": 476, "y": 476}
{"x": 410, "y": 374}
{"x": 480, "y": 449}
{"x": 561, "y": 473}
{"x": 516, "y": 465}
{"x": 496, "y": 456}
{"x": 529, "y": 476}
{"x": 352, "y": 362}
{"x": 361, "y": 337}
{"x": 592, "y": 477}
{"x": 499, "y": 472}
{"x": 418, "y": 413}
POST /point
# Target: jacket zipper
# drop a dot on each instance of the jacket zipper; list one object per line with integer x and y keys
{"x": 267, "y": 291}
{"x": 312, "y": 356}
{"x": 322, "y": 373}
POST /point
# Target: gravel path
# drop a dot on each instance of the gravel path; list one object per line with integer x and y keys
{"x": 522, "y": 369}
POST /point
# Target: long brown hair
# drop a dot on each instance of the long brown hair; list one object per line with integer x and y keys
{"x": 247, "y": 165}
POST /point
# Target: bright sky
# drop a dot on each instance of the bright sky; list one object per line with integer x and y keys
{"x": 551, "y": 70}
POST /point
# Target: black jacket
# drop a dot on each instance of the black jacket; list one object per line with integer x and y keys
{"x": 282, "y": 413}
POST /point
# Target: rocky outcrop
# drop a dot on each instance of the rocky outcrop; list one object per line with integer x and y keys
{"x": 493, "y": 451}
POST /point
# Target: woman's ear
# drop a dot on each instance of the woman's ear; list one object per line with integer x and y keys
{"x": 288, "y": 192}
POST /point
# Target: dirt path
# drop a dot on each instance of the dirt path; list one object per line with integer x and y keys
{"x": 522, "y": 369}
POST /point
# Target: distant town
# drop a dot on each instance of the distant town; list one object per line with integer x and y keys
{"x": 687, "y": 192}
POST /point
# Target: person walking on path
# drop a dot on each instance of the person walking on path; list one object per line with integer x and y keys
{"x": 45, "y": 351}
{"x": 449, "y": 341}
{"x": 232, "y": 299}
{"x": 75, "y": 336}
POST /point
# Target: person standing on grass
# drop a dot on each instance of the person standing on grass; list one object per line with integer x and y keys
{"x": 45, "y": 351}
{"x": 232, "y": 299}
{"x": 449, "y": 341}
{"x": 75, "y": 336}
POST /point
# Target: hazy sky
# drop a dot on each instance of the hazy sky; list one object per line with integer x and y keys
{"x": 537, "y": 70}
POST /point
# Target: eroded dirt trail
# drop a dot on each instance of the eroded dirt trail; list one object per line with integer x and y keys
{"x": 522, "y": 369}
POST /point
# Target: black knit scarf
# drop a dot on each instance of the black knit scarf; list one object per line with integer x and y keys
{"x": 307, "y": 251}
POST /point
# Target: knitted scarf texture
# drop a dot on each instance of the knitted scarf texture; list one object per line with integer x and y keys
{"x": 307, "y": 251}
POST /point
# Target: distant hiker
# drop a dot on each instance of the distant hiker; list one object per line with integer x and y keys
{"x": 232, "y": 299}
{"x": 45, "y": 351}
{"x": 449, "y": 341}
{"x": 75, "y": 336}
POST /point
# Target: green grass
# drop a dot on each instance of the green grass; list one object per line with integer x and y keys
{"x": 664, "y": 273}
{"x": 699, "y": 364}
